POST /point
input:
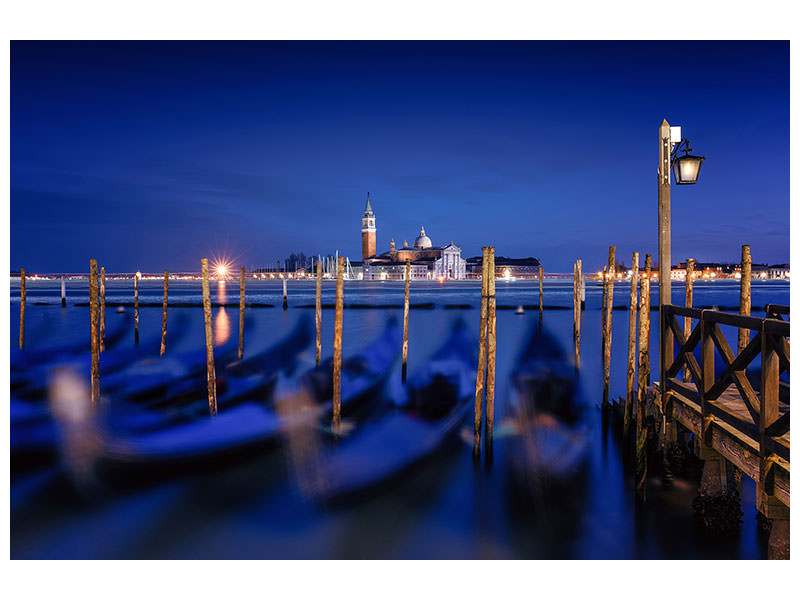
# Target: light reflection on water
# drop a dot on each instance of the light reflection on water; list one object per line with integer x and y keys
{"x": 450, "y": 508}
{"x": 222, "y": 327}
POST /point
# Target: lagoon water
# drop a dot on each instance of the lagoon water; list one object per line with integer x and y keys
{"x": 448, "y": 508}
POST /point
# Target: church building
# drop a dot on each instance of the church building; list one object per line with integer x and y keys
{"x": 427, "y": 261}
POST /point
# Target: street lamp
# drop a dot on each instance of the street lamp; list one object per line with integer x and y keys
{"x": 687, "y": 169}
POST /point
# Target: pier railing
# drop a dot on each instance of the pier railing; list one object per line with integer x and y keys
{"x": 750, "y": 405}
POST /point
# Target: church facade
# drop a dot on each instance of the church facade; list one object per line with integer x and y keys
{"x": 427, "y": 261}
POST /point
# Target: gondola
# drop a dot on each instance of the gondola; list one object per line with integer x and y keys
{"x": 425, "y": 414}
{"x": 32, "y": 384}
{"x": 33, "y": 428}
{"x": 245, "y": 425}
{"x": 547, "y": 474}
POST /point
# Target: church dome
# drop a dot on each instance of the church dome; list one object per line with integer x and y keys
{"x": 422, "y": 241}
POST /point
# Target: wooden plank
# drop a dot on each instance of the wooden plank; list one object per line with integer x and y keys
{"x": 715, "y": 316}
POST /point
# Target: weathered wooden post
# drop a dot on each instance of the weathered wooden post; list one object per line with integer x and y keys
{"x": 319, "y": 312}
{"x": 479, "y": 384}
{"x": 102, "y": 308}
{"x": 491, "y": 352}
{"x": 607, "y": 325}
{"x": 603, "y": 309}
{"x": 541, "y": 291}
{"x": 241, "y": 313}
{"x": 285, "y": 302}
{"x": 744, "y": 296}
{"x": 94, "y": 331}
{"x": 210, "y": 374}
{"x": 21, "y": 307}
{"x": 405, "y": 319}
{"x": 648, "y": 263}
{"x": 630, "y": 390}
{"x": 164, "y": 315}
{"x": 337, "y": 346}
{"x": 687, "y": 321}
{"x": 641, "y": 398}
{"x": 136, "y": 307}
{"x": 576, "y": 312}
{"x": 767, "y": 504}
{"x": 63, "y": 293}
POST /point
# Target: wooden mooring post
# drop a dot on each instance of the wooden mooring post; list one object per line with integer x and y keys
{"x": 337, "y": 346}
{"x": 285, "y": 301}
{"x": 136, "y": 308}
{"x": 744, "y": 295}
{"x": 607, "y": 325}
{"x": 102, "y": 308}
{"x": 241, "y": 313}
{"x": 94, "y": 332}
{"x": 541, "y": 291}
{"x": 210, "y": 374}
{"x": 687, "y": 321}
{"x": 648, "y": 265}
{"x": 164, "y": 316}
{"x": 63, "y": 293}
{"x": 318, "y": 311}
{"x": 491, "y": 353}
{"x": 22, "y": 307}
{"x": 641, "y": 396}
{"x": 630, "y": 389}
{"x": 479, "y": 384}
{"x": 576, "y": 312}
{"x": 405, "y": 318}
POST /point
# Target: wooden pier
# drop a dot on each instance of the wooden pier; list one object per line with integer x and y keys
{"x": 744, "y": 419}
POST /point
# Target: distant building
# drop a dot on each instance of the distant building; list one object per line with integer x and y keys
{"x": 504, "y": 267}
{"x": 427, "y": 261}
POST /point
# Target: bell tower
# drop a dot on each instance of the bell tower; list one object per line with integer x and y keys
{"x": 368, "y": 231}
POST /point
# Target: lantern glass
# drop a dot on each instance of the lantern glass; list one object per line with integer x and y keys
{"x": 687, "y": 169}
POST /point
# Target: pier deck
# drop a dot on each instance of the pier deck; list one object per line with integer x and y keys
{"x": 744, "y": 417}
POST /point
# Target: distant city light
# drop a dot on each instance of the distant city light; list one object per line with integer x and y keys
{"x": 138, "y": 274}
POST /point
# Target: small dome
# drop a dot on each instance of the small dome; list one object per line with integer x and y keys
{"x": 422, "y": 241}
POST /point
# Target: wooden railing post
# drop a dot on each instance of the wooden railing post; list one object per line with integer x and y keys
{"x": 706, "y": 369}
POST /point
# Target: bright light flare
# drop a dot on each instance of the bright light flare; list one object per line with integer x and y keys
{"x": 221, "y": 268}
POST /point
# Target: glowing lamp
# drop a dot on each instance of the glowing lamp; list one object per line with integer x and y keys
{"x": 686, "y": 168}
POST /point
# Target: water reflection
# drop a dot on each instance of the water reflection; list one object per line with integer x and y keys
{"x": 222, "y": 295}
{"x": 222, "y": 327}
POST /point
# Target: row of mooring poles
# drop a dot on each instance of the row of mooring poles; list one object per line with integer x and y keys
{"x": 487, "y": 350}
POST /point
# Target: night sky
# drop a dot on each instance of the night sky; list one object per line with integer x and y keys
{"x": 150, "y": 155}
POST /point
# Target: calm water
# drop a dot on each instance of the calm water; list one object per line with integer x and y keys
{"x": 449, "y": 508}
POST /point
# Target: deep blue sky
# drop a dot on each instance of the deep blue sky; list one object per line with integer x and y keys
{"x": 149, "y": 155}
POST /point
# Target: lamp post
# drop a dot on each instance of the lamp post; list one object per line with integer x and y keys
{"x": 687, "y": 169}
